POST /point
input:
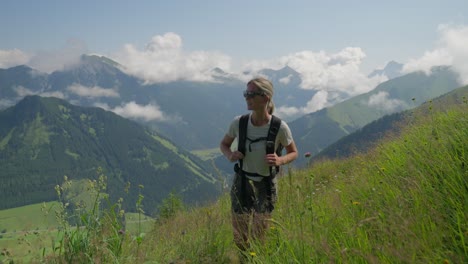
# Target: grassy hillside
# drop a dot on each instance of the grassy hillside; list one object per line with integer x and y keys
{"x": 19, "y": 218}
{"x": 405, "y": 201}
{"x": 365, "y": 137}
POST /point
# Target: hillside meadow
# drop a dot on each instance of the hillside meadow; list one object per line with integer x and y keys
{"x": 404, "y": 201}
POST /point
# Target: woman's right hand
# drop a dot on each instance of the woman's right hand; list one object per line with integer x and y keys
{"x": 235, "y": 156}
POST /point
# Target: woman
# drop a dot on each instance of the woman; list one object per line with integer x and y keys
{"x": 254, "y": 201}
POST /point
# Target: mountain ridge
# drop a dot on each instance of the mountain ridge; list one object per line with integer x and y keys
{"x": 392, "y": 70}
{"x": 318, "y": 130}
{"x": 44, "y": 139}
{"x": 197, "y": 114}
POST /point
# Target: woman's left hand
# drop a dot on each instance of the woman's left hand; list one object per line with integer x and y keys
{"x": 272, "y": 159}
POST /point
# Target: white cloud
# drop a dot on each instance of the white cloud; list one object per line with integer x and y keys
{"x": 451, "y": 49}
{"x": 320, "y": 100}
{"x": 322, "y": 71}
{"x": 4, "y": 103}
{"x": 45, "y": 61}
{"x": 164, "y": 60}
{"x": 339, "y": 73}
{"x": 67, "y": 56}
{"x": 11, "y": 58}
{"x": 286, "y": 79}
{"x": 95, "y": 91}
{"x": 455, "y": 39}
{"x": 22, "y": 91}
{"x": 56, "y": 94}
{"x": 436, "y": 57}
{"x": 132, "y": 110}
{"x": 329, "y": 74}
{"x": 287, "y": 111}
{"x": 382, "y": 101}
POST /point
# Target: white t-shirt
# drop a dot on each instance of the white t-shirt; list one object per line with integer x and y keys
{"x": 254, "y": 159}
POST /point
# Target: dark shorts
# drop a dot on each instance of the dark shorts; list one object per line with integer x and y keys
{"x": 254, "y": 197}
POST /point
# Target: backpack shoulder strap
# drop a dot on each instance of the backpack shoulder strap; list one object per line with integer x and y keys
{"x": 243, "y": 122}
{"x": 272, "y": 132}
{"x": 274, "y": 128}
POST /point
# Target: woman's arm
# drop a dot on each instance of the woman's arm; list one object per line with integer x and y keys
{"x": 225, "y": 147}
{"x": 291, "y": 154}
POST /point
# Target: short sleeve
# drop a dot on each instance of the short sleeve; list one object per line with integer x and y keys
{"x": 233, "y": 130}
{"x": 285, "y": 135}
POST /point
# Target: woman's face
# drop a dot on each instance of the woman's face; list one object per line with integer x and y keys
{"x": 255, "y": 100}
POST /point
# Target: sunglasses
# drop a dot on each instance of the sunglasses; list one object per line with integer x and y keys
{"x": 252, "y": 94}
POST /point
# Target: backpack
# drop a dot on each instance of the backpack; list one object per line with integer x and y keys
{"x": 272, "y": 132}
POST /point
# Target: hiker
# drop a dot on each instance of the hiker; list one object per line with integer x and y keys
{"x": 253, "y": 192}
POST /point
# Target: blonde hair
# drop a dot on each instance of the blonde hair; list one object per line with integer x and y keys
{"x": 267, "y": 87}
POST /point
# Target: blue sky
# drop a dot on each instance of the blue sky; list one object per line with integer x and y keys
{"x": 385, "y": 30}
{"x": 332, "y": 44}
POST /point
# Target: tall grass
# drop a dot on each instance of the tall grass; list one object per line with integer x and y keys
{"x": 405, "y": 201}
